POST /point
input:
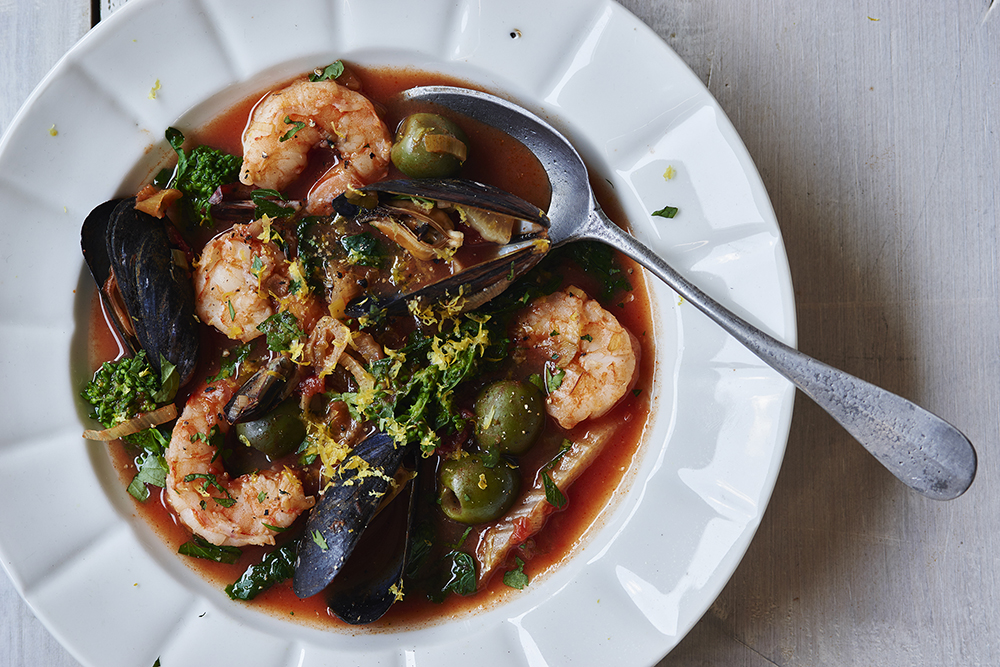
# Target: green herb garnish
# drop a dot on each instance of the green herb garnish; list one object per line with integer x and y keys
{"x": 553, "y": 496}
{"x": 199, "y": 547}
{"x": 296, "y": 126}
{"x": 666, "y": 212}
{"x": 328, "y": 73}
{"x": 276, "y": 567}
{"x": 281, "y": 330}
{"x": 363, "y": 249}
{"x": 516, "y": 578}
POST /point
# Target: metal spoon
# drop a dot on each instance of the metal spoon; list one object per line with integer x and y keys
{"x": 922, "y": 450}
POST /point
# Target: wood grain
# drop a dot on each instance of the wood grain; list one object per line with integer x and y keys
{"x": 874, "y": 127}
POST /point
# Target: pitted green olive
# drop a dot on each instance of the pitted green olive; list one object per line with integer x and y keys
{"x": 471, "y": 493}
{"x": 277, "y": 433}
{"x": 429, "y": 146}
{"x": 510, "y": 416}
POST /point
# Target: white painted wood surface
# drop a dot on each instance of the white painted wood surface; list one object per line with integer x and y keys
{"x": 875, "y": 127}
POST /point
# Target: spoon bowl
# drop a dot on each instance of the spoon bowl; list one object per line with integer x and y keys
{"x": 922, "y": 450}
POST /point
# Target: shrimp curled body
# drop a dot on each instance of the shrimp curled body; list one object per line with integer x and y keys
{"x": 288, "y": 123}
{"x": 249, "y": 509}
{"x": 596, "y": 357}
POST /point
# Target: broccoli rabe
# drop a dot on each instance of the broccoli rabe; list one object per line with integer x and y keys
{"x": 121, "y": 390}
{"x": 199, "y": 174}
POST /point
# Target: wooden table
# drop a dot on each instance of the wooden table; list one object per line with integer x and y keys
{"x": 875, "y": 128}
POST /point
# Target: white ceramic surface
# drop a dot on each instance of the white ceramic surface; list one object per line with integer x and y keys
{"x": 106, "y": 586}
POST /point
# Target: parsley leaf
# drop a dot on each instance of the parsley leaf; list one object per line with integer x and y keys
{"x": 320, "y": 541}
{"x": 516, "y": 578}
{"x": 553, "y": 496}
{"x": 266, "y": 202}
{"x": 296, "y": 126}
{"x": 328, "y": 73}
{"x": 666, "y": 212}
{"x": 553, "y": 377}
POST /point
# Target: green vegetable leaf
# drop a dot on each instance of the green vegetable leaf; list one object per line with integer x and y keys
{"x": 328, "y": 73}
{"x": 320, "y": 541}
{"x": 296, "y": 126}
{"x": 516, "y": 578}
{"x": 230, "y": 360}
{"x": 462, "y": 579}
{"x": 266, "y": 202}
{"x": 152, "y": 470}
{"x": 363, "y": 249}
{"x": 281, "y": 330}
{"x": 170, "y": 382}
{"x": 553, "y": 377}
{"x": 598, "y": 260}
{"x": 211, "y": 482}
{"x": 553, "y": 496}
{"x": 666, "y": 212}
{"x": 199, "y": 547}
{"x": 276, "y": 567}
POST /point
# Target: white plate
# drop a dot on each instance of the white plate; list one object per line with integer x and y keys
{"x": 106, "y": 586}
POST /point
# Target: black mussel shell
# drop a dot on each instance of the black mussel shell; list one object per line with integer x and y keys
{"x": 263, "y": 391}
{"x": 340, "y": 517}
{"x": 94, "y": 243}
{"x": 464, "y": 192}
{"x": 372, "y": 580}
{"x": 157, "y": 292}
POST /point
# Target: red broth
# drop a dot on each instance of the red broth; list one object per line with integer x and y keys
{"x": 501, "y": 161}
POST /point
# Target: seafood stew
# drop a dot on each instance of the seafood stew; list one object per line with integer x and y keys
{"x": 397, "y": 392}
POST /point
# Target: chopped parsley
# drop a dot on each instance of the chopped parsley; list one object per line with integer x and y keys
{"x": 516, "y": 578}
{"x": 320, "y": 541}
{"x": 230, "y": 360}
{"x": 363, "y": 249}
{"x": 296, "y": 126}
{"x": 666, "y": 212}
{"x": 281, "y": 330}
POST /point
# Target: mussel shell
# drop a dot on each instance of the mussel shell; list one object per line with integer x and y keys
{"x": 466, "y": 193}
{"x": 263, "y": 391}
{"x": 343, "y": 512}
{"x": 94, "y": 243}
{"x": 373, "y": 579}
{"x": 157, "y": 292}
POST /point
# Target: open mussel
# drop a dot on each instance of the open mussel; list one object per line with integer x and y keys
{"x": 419, "y": 215}
{"x": 145, "y": 282}
{"x": 337, "y": 523}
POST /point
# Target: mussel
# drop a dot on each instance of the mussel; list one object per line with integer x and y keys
{"x": 337, "y": 523}
{"x": 145, "y": 282}
{"x": 516, "y": 230}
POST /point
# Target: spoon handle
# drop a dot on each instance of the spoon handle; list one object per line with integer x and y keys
{"x": 922, "y": 450}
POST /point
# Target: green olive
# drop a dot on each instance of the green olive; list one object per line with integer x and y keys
{"x": 277, "y": 433}
{"x": 510, "y": 416}
{"x": 429, "y": 146}
{"x": 472, "y": 493}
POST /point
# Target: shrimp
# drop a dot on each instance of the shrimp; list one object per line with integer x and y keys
{"x": 592, "y": 357}
{"x": 287, "y": 123}
{"x": 249, "y": 509}
{"x": 240, "y": 281}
